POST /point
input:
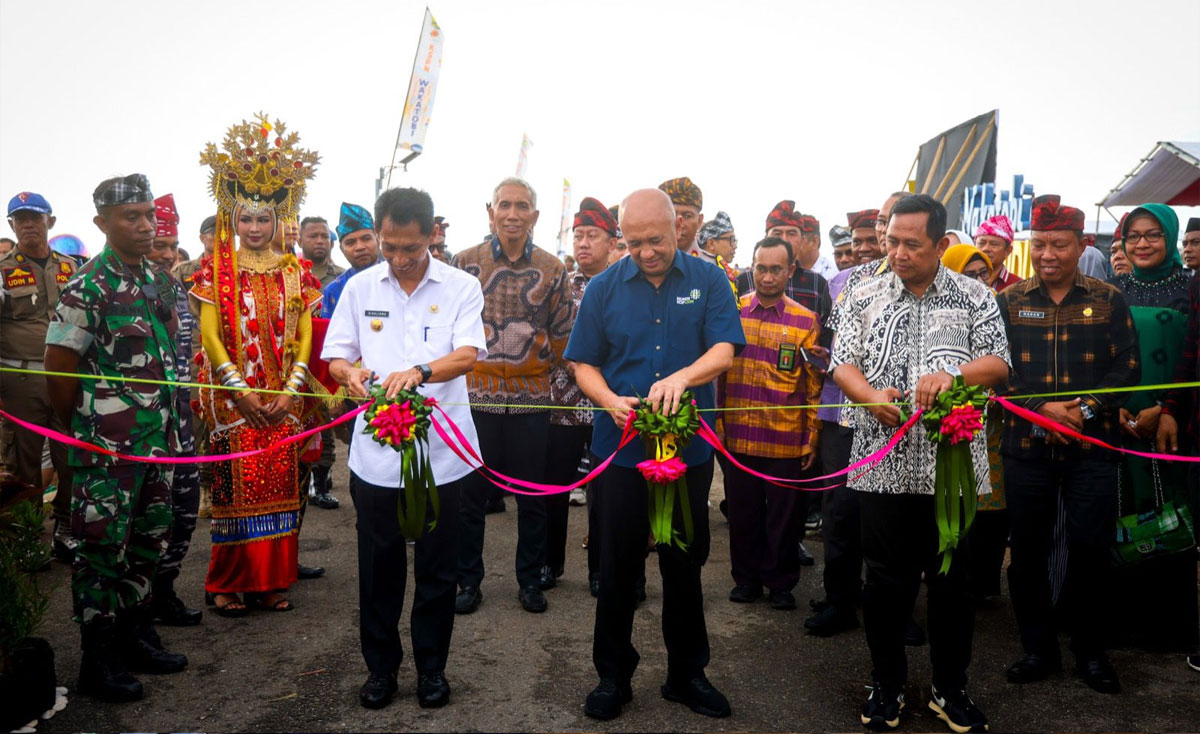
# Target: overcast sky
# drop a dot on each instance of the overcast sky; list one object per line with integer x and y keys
{"x": 824, "y": 103}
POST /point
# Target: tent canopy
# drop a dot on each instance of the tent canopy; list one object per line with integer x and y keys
{"x": 1170, "y": 175}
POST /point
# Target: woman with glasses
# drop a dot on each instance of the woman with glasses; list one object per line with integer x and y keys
{"x": 1160, "y": 595}
{"x": 970, "y": 261}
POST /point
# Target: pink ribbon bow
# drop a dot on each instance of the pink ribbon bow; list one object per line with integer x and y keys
{"x": 962, "y": 423}
{"x": 662, "y": 472}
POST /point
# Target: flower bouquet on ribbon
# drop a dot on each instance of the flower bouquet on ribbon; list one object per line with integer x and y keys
{"x": 665, "y": 437}
{"x": 402, "y": 423}
{"x": 951, "y": 424}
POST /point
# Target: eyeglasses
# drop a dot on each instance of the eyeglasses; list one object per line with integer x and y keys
{"x": 732, "y": 240}
{"x": 981, "y": 275}
{"x": 1152, "y": 237}
{"x": 774, "y": 270}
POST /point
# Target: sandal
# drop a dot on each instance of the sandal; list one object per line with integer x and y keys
{"x": 233, "y": 606}
{"x": 269, "y": 602}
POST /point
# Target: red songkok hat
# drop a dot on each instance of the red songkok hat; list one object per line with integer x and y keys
{"x": 865, "y": 218}
{"x": 594, "y": 214}
{"x": 167, "y": 215}
{"x": 1049, "y": 215}
{"x": 785, "y": 215}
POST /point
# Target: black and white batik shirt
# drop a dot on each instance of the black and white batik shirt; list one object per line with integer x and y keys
{"x": 895, "y": 338}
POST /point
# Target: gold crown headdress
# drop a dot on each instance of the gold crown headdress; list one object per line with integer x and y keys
{"x": 260, "y": 166}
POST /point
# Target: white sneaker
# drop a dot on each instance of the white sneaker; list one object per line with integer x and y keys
{"x": 578, "y": 497}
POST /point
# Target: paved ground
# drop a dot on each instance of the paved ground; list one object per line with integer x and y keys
{"x": 514, "y": 671}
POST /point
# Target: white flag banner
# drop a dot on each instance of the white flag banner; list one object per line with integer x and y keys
{"x": 564, "y": 229}
{"x": 418, "y": 106}
{"x": 523, "y": 157}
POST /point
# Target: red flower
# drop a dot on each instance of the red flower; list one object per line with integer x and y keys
{"x": 278, "y": 326}
{"x": 252, "y": 352}
{"x": 252, "y": 326}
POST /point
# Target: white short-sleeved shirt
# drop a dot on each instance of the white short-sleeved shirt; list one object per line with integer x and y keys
{"x": 391, "y": 331}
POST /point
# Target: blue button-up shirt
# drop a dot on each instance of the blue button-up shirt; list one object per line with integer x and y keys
{"x": 636, "y": 334}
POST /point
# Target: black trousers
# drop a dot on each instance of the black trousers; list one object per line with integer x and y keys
{"x": 765, "y": 524}
{"x": 900, "y": 541}
{"x": 841, "y": 526}
{"x": 1088, "y": 488}
{"x": 565, "y": 448}
{"x": 622, "y": 522}
{"x": 989, "y": 540}
{"x": 513, "y": 444}
{"x": 383, "y": 573}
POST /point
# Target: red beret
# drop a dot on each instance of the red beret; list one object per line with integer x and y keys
{"x": 1049, "y": 215}
{"x": 865, "y": 218}
{"x": 594, "y": 214}
{"x": 785, "y": 215}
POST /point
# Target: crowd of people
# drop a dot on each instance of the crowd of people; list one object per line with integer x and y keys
{"x": 804, "y": 363}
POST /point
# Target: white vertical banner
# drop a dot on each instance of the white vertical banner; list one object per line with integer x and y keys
{"x": 418, "y": 106}
{"x": 523, "y": 156}
{"x": 564, "y": 228}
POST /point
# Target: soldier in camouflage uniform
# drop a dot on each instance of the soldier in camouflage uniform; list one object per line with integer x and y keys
{"x": 183, "y": 272}
{"x": 185, "y": 485}
{"x": 113, "y": 320}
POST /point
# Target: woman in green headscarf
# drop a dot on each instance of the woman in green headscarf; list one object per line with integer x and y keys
{"x": 1163, "y": 592}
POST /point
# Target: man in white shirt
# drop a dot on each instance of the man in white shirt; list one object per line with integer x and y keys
{"x": 415, "y": 322}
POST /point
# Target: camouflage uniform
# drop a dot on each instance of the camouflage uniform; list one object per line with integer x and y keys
{"x": 121, "y": 324}
{"x": 185, "y": 485}
{"x": 183, "y": 272}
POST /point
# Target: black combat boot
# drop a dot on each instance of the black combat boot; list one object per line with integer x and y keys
{"x": 141, "y": 647}
{"x": 102, "y": 675}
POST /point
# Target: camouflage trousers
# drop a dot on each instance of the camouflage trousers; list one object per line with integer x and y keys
{"x": 121, "y": 516}
{"x": 185, "y": 502}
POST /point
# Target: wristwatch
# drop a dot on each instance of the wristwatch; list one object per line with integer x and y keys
{"x": 1086, "y": 411}
{"x": 426, "y": 372}
{"x": 953, "y": 371}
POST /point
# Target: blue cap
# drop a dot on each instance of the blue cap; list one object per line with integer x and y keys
{"x": 29, "y": 201}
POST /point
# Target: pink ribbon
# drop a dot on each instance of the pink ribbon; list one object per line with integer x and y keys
{"x": 865, "y": 464}
{"x": 1052, "y": 425}
{"x": 662, "y": 472}
{"x": 962, "y": 423}
{"x": 394, "y": 423}
{"x": 72, "y": 441}
{"x": 538, "y": 489}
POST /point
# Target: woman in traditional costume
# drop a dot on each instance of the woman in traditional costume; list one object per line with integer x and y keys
{"x": 256, "y": 328}
{"x": 1157, "y": 597}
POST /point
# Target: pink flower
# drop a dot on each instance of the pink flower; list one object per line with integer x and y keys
{"x": 962, "y": 423}
{"x": 393, "y": 423}
{"x": 662, "y": 472}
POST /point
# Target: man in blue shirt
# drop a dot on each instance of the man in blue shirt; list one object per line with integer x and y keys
{"x": 360, "y": 245}
{"x": 656, "y": 323}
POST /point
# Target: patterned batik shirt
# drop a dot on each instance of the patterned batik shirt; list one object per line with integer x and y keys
{"x": 564, "y": 390}
{"x": 1085, "y": 342}
{"x": 894, "y": 339}
{"x": 527, "y": 317}
{"x": 121, "y": 321}
{"x": 768, "y": 373}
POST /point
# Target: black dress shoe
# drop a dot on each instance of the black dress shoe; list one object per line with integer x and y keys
{"x": 532, "y": 599}
{"x": 546, "y": 579}
{"x": 806, "y": 558}
{"x": 1032, "y": 668}
{"x": 1098, "y": 673}
{"x": 782, "y": 600}
{"x": 606, "y": 699}
{"x": 594, "y": 584}
{"x": 745, "y": 593}
{"x": 170, "y": 610}
{"x": 698, "y": 695}
{"x": 467, "y": 600}
{"x": 432, "y": 690}
{"x": 326, "y": 501}
{"x": 377, "y": 692}
{"x": 309, "y": 572}
{"x": 831, "y": 621}
{"x": 914, "y": 636}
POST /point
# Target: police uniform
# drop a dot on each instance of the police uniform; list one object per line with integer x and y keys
{"x": 31, "y": 291}
{"x": 121, "y": 323}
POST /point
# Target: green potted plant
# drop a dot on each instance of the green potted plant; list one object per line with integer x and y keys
{"x": 27, "y": 681}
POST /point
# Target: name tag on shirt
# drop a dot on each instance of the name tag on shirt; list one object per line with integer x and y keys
{"x": 787, "y": 358}
{"x": 18, "y": 277}
{"x": 377, "y": 314}
{"x": 1031, "y": 314}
